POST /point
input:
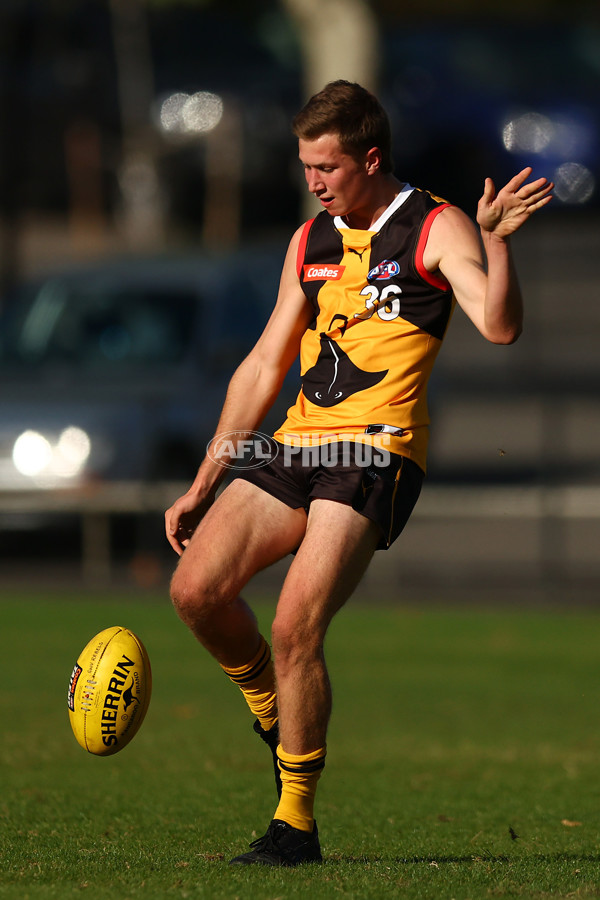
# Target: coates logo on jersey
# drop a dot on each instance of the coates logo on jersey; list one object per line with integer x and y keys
{"x": 384, "y": 271}
{"x": 323, "y": 273}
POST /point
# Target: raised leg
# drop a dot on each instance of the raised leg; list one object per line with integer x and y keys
{"x": 246, "y": 530}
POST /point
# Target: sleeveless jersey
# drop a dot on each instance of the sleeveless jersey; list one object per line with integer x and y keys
{"x": 379, "y": 320}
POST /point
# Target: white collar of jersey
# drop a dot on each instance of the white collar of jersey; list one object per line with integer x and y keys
{"x": 396, "y": 203}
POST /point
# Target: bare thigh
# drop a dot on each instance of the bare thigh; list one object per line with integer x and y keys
{"x": 336, "y": 550}
{"x": 246, "y": 530}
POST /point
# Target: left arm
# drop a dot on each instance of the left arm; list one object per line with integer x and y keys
{"x": 489, "y": 294}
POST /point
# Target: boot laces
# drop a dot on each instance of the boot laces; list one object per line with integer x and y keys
{"x": 269, "y": 840}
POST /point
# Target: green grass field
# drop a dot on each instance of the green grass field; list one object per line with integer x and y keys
{"x": 464, "y": 761}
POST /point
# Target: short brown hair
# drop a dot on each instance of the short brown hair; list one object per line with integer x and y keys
{"x": 354, "y": 114}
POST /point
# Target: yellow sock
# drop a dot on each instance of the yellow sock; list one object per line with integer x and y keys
{"x": 256, "y": 680}
{"x": 299, "y": 776}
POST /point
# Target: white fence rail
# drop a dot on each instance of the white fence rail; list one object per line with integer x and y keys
{"x": 96, "y": 505}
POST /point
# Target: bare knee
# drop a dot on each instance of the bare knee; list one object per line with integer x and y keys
{"x": 185, "y": 598}
{"x": 295, "y": 642}
{"x": 195, "y": 600}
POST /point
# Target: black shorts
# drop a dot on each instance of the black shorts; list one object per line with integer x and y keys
{"x": 385, "y": 489}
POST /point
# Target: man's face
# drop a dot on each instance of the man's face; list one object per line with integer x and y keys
{"x": 339, "y": 181}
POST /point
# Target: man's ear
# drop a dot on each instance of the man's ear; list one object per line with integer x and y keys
{"x": 373, "y": 160}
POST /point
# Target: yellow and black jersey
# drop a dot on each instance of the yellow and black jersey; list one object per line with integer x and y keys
{"x": 379, "y": 320}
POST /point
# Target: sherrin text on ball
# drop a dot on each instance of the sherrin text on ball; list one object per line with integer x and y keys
{"x": 109, "y": 691}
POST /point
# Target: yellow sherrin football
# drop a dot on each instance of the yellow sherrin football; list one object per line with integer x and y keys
{"x": 109, "y": 691}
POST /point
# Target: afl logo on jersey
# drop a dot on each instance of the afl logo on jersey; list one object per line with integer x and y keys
{"x": 384, "y": 271}
{"x": 323, "y": 273}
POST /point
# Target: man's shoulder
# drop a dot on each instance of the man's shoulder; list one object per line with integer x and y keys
{"x": 425, "y": 200}
{"x": 318, "y": 234}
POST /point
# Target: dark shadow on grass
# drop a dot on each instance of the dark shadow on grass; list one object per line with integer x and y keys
{"x": 407, "y": 860}
{"x": 475, "y": 857}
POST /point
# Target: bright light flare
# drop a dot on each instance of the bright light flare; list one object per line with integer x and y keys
{"x": 71, "y": 452}
{"x": 574, "y": 183}
{"x": 530, "y": 133}
{"x": 31, "y": 453}
{"x": 171, "y": 112}
{"x": 189, "y": 114}
{"x": 558, "y": 138}
{"x": 202, "y": 112}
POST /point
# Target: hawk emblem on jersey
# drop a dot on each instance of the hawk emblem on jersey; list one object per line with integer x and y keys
{"x": 334, "y": 377}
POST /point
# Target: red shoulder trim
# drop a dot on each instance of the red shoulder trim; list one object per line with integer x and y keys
{"x": 439, "y": 282}
{"x": 302, "y": 246}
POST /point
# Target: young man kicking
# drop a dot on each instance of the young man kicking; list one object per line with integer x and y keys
{"x": 366, "y": 293}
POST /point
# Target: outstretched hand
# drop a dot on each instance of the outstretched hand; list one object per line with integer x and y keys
{"x": 504, "y": 212}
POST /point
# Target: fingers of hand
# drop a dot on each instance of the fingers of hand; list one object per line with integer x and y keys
{"x": 517, "y": 180}
{"x": 489, "y": 191}
{"x": 184, "y": 534}
{"x": 169, "y": 527}
{"x": 534, "y": 189}
{"x": 537, "y": 203}
{"x": 174, "y": 544}
{"x": 179, "y": 540}
{"x": 178, "y": 535}
{"x": 533, "y": 199}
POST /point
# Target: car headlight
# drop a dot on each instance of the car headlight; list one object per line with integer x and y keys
{"x": 71, "y": 452}
{"x": 31, "y": 453}
{"x": 34, "y": 454}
